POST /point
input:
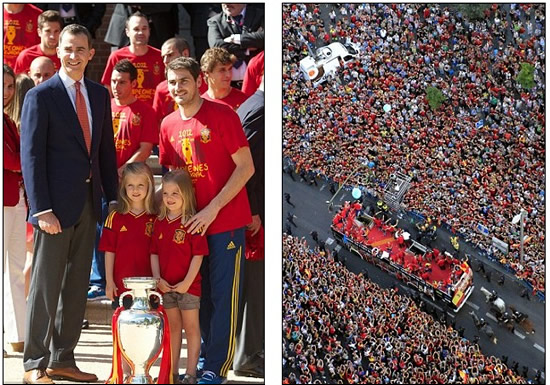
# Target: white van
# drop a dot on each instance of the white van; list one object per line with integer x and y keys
{"x": 327, "y": 61}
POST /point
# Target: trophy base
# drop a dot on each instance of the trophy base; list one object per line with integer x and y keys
{"x": 139, "y": 379}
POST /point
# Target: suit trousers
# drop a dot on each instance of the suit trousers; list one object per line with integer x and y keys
{"x": 15, "y": 253}
{"x": 58, "y": 292}
{"x": 249, "y": 353}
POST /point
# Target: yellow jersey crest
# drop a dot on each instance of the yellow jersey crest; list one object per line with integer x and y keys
{"x": 205, "y": 135}
{"x": 179, "y": 236}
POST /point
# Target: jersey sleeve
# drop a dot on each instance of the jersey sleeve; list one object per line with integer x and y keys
{"x": 109, "y": 235}
{"x": 106, "y": 78}
{"x": 20, "y": 63}
{"x": 199, "y": 245}
{"x": 157, "y": 103}
{"x": 155, "y": 238}
{"x": 166, "y": 150}
{"x": 150, "y": 130}
{"x": 232, "y": 132}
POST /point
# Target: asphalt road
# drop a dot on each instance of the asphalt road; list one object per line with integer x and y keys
{"x": 311, "y": 213}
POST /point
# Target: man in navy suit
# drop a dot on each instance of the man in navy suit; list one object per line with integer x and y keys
{"x": 68, "y": 160}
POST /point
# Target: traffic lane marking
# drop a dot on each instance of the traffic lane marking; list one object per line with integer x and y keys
{"x": 519, "y": 334}
{"x": 538, "y": 347}
{"x": 473, "y": 305}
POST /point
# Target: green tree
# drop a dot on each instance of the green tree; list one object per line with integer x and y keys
{"x": 526, "y": 76}
{"x": 435, "y": 97}
{"x": 471, "y": 11}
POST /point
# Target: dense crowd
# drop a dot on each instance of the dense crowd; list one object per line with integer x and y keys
{"x": 477, "y": 159}
{"x": 339, "y": 327}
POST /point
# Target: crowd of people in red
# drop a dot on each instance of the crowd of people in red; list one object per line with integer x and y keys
{"x": 477, "y": 159}
{"x": 339, "y": 327}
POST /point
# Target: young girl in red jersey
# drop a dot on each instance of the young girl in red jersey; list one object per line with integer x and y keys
{"x": 126, "y": 236}
{"x": 176, "y": 257}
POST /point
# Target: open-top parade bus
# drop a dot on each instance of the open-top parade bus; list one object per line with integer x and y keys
{"x": 438, "y": 275}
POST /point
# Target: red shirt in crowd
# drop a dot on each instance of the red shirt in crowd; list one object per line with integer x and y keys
{"x": 133, "y": 124}
{"x": 150, "y": 71}
{"x": 20, "y": 32}
{"x": 176, "y": 249}
{"x": 234, "y": 99}
{"x": 12, "y": 163}
{"x": 129, "y": 237}
{"x": 204, "y": 145}
{"x": 254, "y": 73}
{"x": 25, "y": 58}
{"x": 163, "y": 104}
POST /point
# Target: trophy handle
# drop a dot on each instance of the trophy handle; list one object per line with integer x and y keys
{"x": 152, "y": 292}
{"x": 120, "y": 302}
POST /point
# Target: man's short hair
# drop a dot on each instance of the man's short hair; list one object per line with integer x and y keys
{"x": 135, "y": 14}
{"x": 185, "y": 63}
{"x": 180, "y": 42}
{"x": 213, "y": 57}
{"x": 76, "y": 29}
{"x": 126, "y": 66}
{"x": 49, "y": 16}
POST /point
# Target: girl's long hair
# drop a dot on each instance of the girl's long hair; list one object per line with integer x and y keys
{"x": 183, "y": 180}
{"x": 141, "y": 169}
{"x": 23, "y": 84}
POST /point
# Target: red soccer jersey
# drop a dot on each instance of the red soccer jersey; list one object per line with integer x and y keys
{"x": 163, "y": 104}
{"x": 204, "y": 145}
{"x": 133, "y": 124}
{"x": 176, "y": 248}
{"x": 20, "y": 32}
{"x": 25, "y": 58}
{"x": 234, "y": 99}
{"x": 129, "y": 237}
{"x": 254, "y": 73}
{"x": 150, "y": 71}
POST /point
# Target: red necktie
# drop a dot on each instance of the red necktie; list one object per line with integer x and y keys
{"x": 82, "y": 113}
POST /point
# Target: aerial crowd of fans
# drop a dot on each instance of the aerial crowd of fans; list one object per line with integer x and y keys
{"x": 477, "y": 159}
{"x": 339, "y": 327}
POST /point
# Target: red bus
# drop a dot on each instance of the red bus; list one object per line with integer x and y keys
{"x": 437, "y": 274}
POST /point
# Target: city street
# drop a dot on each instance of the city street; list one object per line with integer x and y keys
{"x": 311, "y": 213}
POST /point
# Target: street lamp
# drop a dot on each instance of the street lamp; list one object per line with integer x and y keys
{"x": 520, "y": 218}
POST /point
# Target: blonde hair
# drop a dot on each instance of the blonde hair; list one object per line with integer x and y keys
{"x": 141, "y": 169}
{"x": 182, "y": 179}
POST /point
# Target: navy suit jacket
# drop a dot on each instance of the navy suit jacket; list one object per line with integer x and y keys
{"x": 54, "y": 158}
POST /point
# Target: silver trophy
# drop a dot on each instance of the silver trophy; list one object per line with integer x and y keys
{"x": 140, "y": 329}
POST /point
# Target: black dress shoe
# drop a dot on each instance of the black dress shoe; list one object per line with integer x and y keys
{"x": 85, "y": 324}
